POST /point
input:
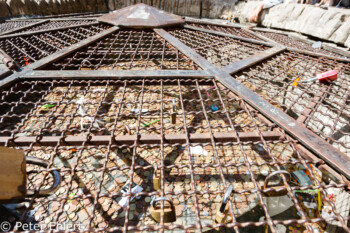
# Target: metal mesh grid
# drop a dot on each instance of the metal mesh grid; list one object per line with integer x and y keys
{"x": 226, "y": 29}
{"x": 127, "y": 49}
{"x": 93, "y": 174}
{"x": 9, "y": 25}
{"x": 27, "y": 49}
{"x": 77, "y": 103}
{"x": 293, "y": 43}
{"x": 56, "y": 24}
{"x": 322, "y": 108}
{"x": 219, "y": 50}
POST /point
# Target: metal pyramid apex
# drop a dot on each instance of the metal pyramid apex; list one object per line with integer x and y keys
{"x": 141, "y": 16}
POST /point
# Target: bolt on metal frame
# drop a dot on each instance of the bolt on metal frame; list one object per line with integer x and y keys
{"x": 245, "y": 138}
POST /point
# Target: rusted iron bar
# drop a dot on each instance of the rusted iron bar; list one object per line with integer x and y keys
{"x": 324, "y": 150}
{"x": 46, "y": 30}
{"x": 301, "y": 40}
{"x": 22, "y": 28}
{"x": 242, "y": 64}
{"x": 8, "y": 78}
{"x": 125, "y": 74}
{"x": 4, "y": 73}
{"x": 79, "y": 18}
{"x": 260, "y": 116}
{"x": 51, "y": 17}
{"x": 329, "y": 48}
{"x": 335, "y": 50}
{"x": 203, "y": 21}
{"x": 229, "y": 35}
{"x": 318, "y": 54}
{"x": 266, "y": 30}
{"x": 261, "y": 36}
{"x": 143, "y": 139}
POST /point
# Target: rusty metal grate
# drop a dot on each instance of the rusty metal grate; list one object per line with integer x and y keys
{"x": 9, "y": 25}
{"x": 227, "y": 29}
{"x": 26, "y": 49}
{"x": 297, "y": 44}
{"x": 127, "y": 49}
{"x": 219, "y": 50}
{"x": 56, "y": 24}
{"x": 322, "y": 108}
{"x": 195, "y": 165}
{"x": 22, "y": 113}
{"x": 109, "y": 108}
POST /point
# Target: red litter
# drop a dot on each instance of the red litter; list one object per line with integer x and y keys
{"x": 325, "y": 77}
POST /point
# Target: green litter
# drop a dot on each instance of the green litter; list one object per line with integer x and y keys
{"x": 47, "y": 106}
{"x": 150, "y": 123}
{"x": 70, "y": 197}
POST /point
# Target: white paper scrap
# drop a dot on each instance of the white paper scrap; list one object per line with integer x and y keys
{"x": 135, "y": 189}
{"x": 198, "y": 150}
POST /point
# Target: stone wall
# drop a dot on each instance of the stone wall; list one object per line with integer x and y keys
{"x": 211, "y": 8}
{"x": 332, "y": 24}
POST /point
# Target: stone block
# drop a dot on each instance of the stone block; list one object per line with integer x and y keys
{"x": 342, "y": 33}
{"x": 283, "y": 16}
{"x": 243, "y": 10}
{"x": 320, "y": 23}
{"x": 347, "y": 42}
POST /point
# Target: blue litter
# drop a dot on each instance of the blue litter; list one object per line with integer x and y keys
{"x": 214, "y": 108}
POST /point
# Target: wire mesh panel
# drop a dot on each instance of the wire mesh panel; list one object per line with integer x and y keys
{"x": 219, "y": 50}
{"x": 227, "y": 29}
{"x": 57, "y": 24}
{"x": 33, "y": 108}
{"x": 127, "y": 49}
{"x": 108, "y": 183}
{"x": 297, "y": 44}
{"x": 9, "y": 25}
{"x": 322, "y": 107}
{"x": 27, "y": 49}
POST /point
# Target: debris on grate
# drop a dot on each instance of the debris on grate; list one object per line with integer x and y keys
{"x": 227, "y": 29}
{"x": 56, "y": 24}
{"x": 219, "y": 50}
{"x": 297, "y": 44}
{"x": 322, "y": 107}
{"x": 181, "y": 153}
{"x": 26, "y": 49}
{"x": 127, "y": 49}
{"x": 97, "y": 178}
{"x": 10, "y": 25}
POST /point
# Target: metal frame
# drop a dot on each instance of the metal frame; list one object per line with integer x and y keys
{"x": 317, "y": 145}
{"x": 314, "y": 148}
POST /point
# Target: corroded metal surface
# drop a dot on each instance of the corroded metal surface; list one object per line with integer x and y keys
{"x": 28, "y": 49}
{"x": 227, "y": 29}
{"x": 127, "y": 49}
{"x": 10, "y": 25}
{"x": 194, "y": 169}
{"x": 297, "y": 44}
{"x": 56, "y": 24}
{"x": 323, "y": 108}
{"x": 219, "y": 50}
{"x": 109, "y": 107}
